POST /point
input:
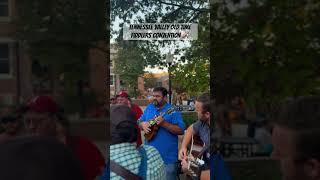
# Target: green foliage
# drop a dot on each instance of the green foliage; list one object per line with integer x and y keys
{"x": 195, "y": 77}
{"x": 141, "y": 54}
{"x": 195, "y": 73}
{"x": 130, "y": 63}
{"x": 189, "y": 118}
{"x": 270, "y": 47}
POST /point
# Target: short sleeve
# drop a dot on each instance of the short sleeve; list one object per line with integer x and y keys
{"x": 196, "y": 127}
{"x": 143, "y": 117}
{"x": 178, "y": 120}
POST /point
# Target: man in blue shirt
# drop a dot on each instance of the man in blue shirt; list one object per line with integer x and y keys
{"x": 170, "y": 126}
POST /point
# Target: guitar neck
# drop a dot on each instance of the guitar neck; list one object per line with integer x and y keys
{"x": 153, "y": 121}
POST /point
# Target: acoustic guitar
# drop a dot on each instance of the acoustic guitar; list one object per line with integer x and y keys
{"x": 194, "y": 159}
{"x": 154, "y": 126}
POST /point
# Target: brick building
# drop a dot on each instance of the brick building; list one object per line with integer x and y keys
{"x": 16, "y": 75}
{"x": 15, "y": 66}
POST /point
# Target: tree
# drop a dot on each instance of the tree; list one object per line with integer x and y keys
{"x": 195, "y": 75}
{"x": 143, "y": 11}
{"x": 150, "y": 81}
{"x": 270, "y": 47}
{"x": 196, "y": 70}
{"x": 59, "y": 34}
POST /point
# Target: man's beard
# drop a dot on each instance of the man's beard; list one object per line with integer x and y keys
{"x": 158, "y": 104}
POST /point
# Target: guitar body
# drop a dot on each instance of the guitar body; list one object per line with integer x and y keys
{"x": 152, "y": 133}
{"x": 195, "y": 171}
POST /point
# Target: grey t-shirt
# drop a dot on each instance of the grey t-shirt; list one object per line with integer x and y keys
{"x": 202, "y": 129}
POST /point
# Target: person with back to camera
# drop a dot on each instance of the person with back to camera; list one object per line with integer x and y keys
{"x": 127, "y": 161}
{"x": 43, "y": 118}
{"x": 38, "y": 158}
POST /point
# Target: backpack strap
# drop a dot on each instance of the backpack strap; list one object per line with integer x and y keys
{"x": 123, "y": 172}
{"x": 143, "y": 165}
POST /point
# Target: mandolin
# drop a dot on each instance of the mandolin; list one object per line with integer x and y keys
{"x": 154, "y": 126}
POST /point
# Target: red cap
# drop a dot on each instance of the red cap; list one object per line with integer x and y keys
{"x": 123, "y": 94}
{"x": 43, "y": 104}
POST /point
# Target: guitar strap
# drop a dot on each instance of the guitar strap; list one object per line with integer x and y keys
{"x": 126, "y": 174}
{"x": 143, "y": 165}
{"x": 206, "y": 147}
{"x": 123, "y": 172}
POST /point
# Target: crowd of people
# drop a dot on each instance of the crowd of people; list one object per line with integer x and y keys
{"x": 36, "y": 142}
{"x": 159, "y": 157}
{"x": 39, "y": 126}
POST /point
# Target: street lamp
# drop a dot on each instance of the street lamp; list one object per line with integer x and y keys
{"x": 169, "y": 60}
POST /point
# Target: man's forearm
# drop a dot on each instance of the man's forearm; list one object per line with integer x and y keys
{"x": 187, "y": 137}
{"x": 174, "y": 129}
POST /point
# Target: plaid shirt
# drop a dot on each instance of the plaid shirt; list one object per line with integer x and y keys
{"x": 126, "y": 155}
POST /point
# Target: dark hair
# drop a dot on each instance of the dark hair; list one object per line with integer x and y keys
{"x": 125, "y": 131}
{"x": 205, "y": 100}
{"x": 123, "y": 124}
{"x": 302, "y": 115}
{"x": 163, "y": 91}
{"x": 38, "y": 158}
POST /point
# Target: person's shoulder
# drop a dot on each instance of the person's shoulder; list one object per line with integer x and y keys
{"x": 151, "y": 105}
{"x": 148, "y": 148}
{"x": 151, "y": 151}
{"x": 135, "y": 106}
{"x": 198, "y": 124}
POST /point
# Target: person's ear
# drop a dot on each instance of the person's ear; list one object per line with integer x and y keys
{"x": 207, "y": 115}
{"x": 312, "y": 168}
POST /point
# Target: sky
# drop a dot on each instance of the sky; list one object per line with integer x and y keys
{"x": 165, "y": 50}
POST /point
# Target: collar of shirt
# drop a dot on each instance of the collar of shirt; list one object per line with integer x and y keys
{"x": 162, "y": 109}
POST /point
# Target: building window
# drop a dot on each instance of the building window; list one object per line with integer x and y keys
{"x": 4, "y": 8}
{"x": 112, "y": 79}
{"x": 111, "y": 63}
{"x": 4, "y": 58}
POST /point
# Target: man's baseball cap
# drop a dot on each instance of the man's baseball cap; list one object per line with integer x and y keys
{"x": 123, "y": 94}
{"x": 42, "y": 104}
